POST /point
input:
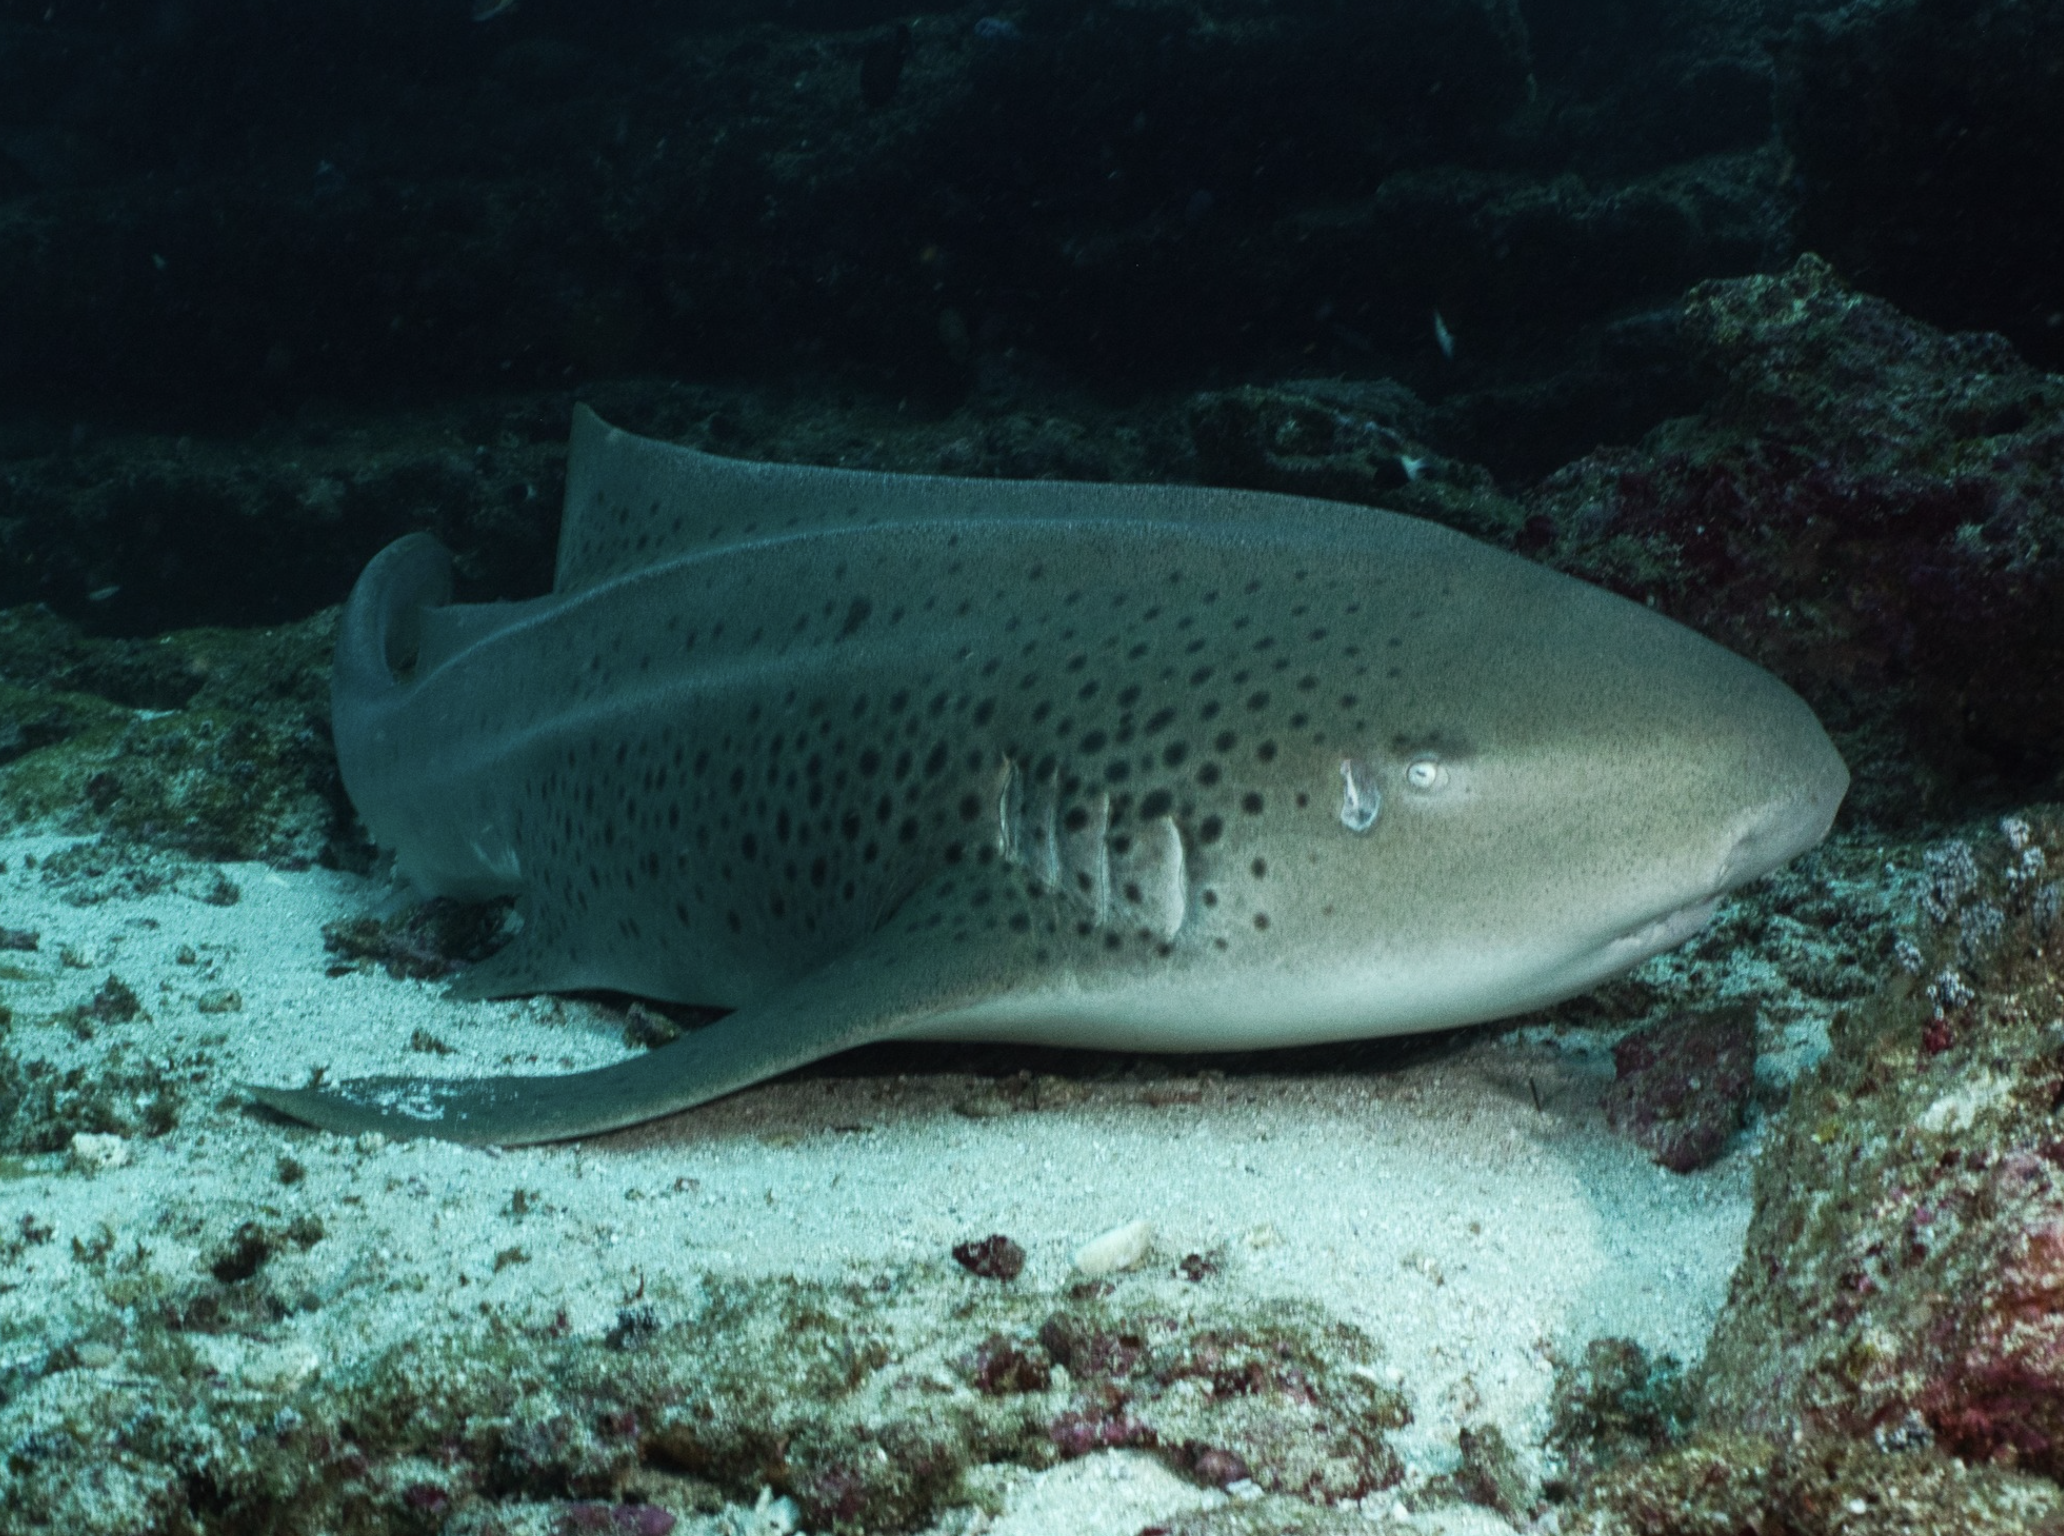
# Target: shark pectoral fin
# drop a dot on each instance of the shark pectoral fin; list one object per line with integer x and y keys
{"x": 950, "y": 945}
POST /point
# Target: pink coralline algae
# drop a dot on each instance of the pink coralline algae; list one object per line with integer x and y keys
{"x": 1682, "y": 1084}
{"x": 1077, "y": 1433}
{"x": 616, "y": 1520}
{"x": 1000, "y": 1366}
{"x": 1999, "y": 1391}
{"x": 1225, "y": 1405}
{"x": 1088, "y": 1350}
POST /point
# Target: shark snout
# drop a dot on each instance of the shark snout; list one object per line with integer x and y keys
{"x": 1782, "y": 811}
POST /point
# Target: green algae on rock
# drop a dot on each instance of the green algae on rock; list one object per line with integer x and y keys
{"x": 124, "y": 1093}
{"x": 1615, "y": 1404}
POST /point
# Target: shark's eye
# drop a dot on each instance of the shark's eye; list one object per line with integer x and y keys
{"x": 1425, "y": 773}
{"x": 1360, "y": 800}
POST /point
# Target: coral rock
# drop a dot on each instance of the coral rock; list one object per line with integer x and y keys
{"x": 1682, "y": 1084}
{"x": 994, "y": 1257}
{"x": 1903, "y": 1278}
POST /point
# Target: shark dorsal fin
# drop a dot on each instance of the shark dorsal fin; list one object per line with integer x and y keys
{"x": 633, "y": 502}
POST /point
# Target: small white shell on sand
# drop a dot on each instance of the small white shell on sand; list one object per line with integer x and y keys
{"x": 1119, "y": 1248}
{"x": 94, "y": 1154}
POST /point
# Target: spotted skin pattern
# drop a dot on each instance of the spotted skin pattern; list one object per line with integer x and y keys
{"x": 866, "y": 755}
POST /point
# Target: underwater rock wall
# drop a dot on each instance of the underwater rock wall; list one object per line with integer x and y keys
{"x": 1871, "y": 508}
{"x": 1891, "y": 1356}
{"x": 212, "y": 212}
{"x": 1904, "y": 1275}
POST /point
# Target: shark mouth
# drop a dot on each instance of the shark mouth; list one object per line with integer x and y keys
{"x": 1660, "y": 933}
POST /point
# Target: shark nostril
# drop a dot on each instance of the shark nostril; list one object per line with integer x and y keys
{"x": 1360, "y": 800}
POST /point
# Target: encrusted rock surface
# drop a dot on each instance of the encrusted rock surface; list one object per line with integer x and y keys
{"x": 1682, "y": 1084}
{"x": 214, "y": 743}
{"x": 1723, "y": 1485}
{"x": 1903, "y": 1282}
{"x": 858, "y": 1403}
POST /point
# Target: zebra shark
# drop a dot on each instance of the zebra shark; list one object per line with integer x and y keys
{"x": 864, "y": 756}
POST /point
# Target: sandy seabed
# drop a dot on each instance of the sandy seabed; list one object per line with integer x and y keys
{"x": 1469, "y": 1212}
